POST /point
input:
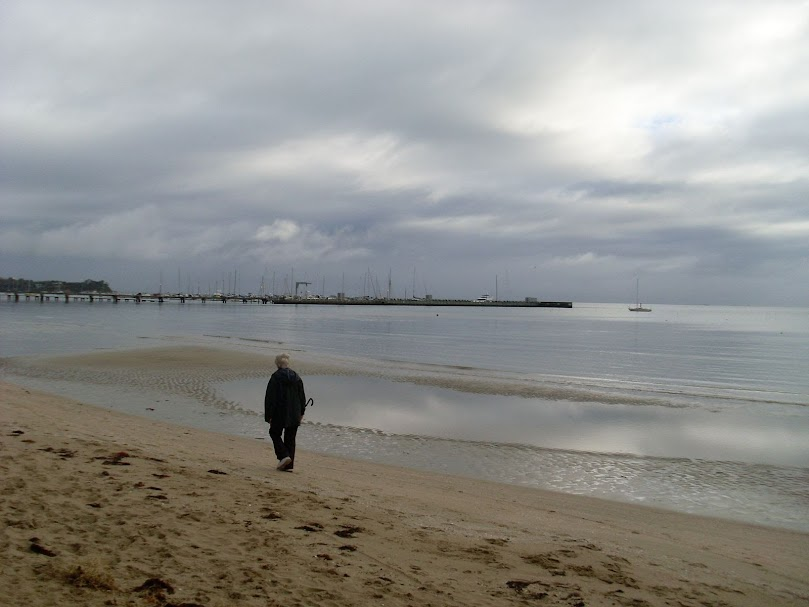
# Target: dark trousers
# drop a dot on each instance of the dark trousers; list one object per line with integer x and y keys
{"x": 283, "y": 441}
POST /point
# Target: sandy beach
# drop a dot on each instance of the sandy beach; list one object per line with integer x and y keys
{"x": 105, "y": 508}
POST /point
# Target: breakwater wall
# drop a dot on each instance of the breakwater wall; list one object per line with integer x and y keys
{"x": 423, "y": 303}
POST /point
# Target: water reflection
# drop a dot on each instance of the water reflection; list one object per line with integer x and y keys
{"x": 407, "y": 409}
{"x": 761, "y": 494}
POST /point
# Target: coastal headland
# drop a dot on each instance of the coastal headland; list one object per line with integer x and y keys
{"x": 106, "y": 508}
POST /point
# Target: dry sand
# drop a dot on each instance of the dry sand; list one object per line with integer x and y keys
{"x": 103, "y": 508}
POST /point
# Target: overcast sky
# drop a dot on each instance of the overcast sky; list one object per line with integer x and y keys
{"x": 539, "y": 148}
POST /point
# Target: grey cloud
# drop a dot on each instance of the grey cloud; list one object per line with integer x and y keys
{"x": 610, "y": 189}
{"x": 560, "y": 145}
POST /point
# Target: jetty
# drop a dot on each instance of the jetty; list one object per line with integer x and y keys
{"x": 160, "y": 298}
{"x": 138, "y": 298}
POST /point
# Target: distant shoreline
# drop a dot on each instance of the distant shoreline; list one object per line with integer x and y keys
{"x": 284, "y": 300}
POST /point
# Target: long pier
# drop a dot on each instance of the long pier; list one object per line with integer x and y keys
{"x": 140, "y": 298}
{"x": 134, "y": 297}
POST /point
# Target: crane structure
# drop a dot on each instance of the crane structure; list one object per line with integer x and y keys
{"x": 298, "y": 284}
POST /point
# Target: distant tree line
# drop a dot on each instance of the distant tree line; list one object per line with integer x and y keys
{"x": 22, "y": 285}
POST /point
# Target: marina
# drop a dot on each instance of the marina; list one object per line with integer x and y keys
{"x": 65, "y": 297}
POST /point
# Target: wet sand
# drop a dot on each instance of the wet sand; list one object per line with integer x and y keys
{"x": 191, "y": 370}
{"x": 104, "y": 508}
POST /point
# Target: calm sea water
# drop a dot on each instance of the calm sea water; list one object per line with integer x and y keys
{"x": 718, "y": 420}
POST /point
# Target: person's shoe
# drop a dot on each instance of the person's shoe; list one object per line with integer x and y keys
{"x": 284, "y": 463}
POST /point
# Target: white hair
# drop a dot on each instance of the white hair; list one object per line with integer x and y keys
{"x": 282, "y": 361}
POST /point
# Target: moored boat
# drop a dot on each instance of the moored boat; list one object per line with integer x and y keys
{"x": 638, "y": 307}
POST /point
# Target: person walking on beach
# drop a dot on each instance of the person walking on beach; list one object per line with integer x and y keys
{"x": 284, "y": 406}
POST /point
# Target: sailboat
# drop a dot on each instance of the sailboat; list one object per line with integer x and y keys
{"x": 638, "y": 306}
